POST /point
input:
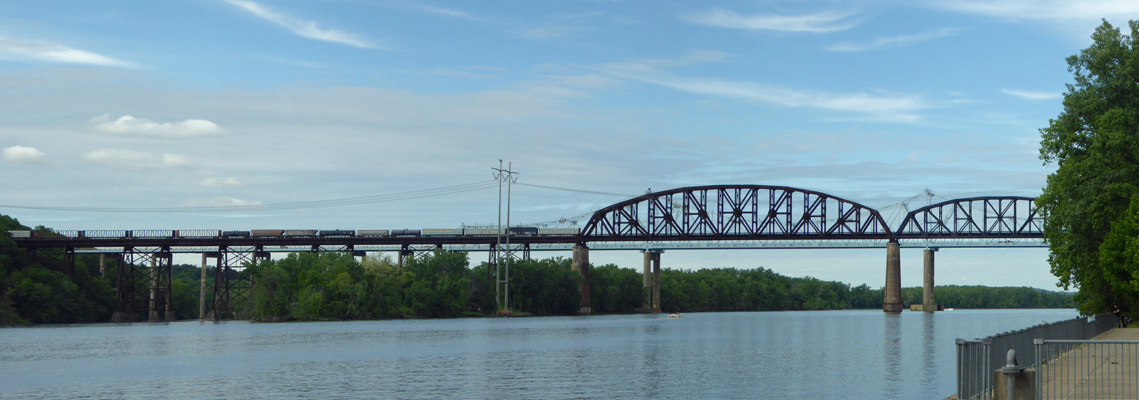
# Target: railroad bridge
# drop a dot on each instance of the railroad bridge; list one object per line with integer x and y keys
{"x": 699, "y": 217}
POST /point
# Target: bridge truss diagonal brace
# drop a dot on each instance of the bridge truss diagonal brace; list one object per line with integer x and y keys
{"x": 144, "y": 269}
{"x": 232, "y": 286}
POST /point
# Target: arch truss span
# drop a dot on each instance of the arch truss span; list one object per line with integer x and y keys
{"x": 990, "y": 217}
{"x": 735, "y": 212}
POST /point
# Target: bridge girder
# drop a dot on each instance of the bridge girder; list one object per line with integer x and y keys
{"x": 735, "y": 212}
{"x": 988, "y": 217}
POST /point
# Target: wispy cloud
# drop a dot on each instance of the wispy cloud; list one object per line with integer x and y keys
{"x": 889, "y": 108}
{"x": 223, "y": 201}
{"x": 553, "y": 31}
{"x": 893, "y": 41}
{"x": 135, "y": 160}
{"x": 446, "y": 12}
{"x": 229, "y": 182}
{"x": 30, "y": 50}
{"x": 305, "y": 29}
{"x": 129, "y": 125}
{"x": 1029, "y": 95}
{"x": 1055, "y": 10}
{"x": 820, "y": 22}
{"x": 24, "y": 155}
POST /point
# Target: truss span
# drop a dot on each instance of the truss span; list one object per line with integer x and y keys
{"x": 736, "y": 212}
{"x": 976, "y": 217}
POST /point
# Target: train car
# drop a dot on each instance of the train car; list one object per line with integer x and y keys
{"x": 300, "y": 232}
{"x": 233, "y": 234}
{"x": 442, "y": 232}
{"x": 152, "y": 234}
{"x": 20, "y": 234}
{"x": 267, "y": 232}
{"x": 336, "y": 233}
{"x": 197, "y": 233}
{"x": 105, "y": 234}
{"x": 405, "y": 232}
{"x": 372, "y": 232}
{"x": 483, "y": 231}
{"x": 523, "y": 230}
{"x": 559, "y": 231}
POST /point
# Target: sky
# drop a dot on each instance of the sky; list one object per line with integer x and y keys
{"x": 391, "y": 114}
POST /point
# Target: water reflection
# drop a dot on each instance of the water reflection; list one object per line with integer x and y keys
{"x": 785, "y": 355}
{"x": 892, "y": 356}
{"x": 929, "y": 370}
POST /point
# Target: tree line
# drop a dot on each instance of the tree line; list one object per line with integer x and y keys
{"x": 308, "y": 286}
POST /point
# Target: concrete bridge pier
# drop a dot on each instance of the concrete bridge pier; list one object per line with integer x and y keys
{"x": 928, "y": 302}
{"x": 581, "y": 266}
{"x": 892, "y": 303}
{"x": 652, "y": 280}
{"x": 202, "y": 290}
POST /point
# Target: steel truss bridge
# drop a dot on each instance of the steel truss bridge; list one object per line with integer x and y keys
{"x": 700, "y": 217}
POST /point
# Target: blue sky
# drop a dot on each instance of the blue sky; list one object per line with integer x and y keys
{"x": 142, "y": 104}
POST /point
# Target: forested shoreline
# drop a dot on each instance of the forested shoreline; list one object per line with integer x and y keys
{"x": 338, "y": 286}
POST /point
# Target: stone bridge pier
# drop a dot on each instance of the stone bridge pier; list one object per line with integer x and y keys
{"x": 581, "y": 265}
{"x": 892, "y": 303}
{"x": 652, "y": 280}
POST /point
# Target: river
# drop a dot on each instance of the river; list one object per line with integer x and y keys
{"x": 862, "y": 354}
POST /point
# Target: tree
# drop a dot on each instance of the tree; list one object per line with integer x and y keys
{"x": 1095, "y": 144}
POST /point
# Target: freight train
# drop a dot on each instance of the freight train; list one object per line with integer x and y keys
{"x": 292, "y": 233}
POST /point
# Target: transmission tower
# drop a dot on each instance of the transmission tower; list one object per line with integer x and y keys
{"x": 501, "y": 281}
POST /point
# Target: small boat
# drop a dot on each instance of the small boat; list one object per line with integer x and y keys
{"x": 674, "y": 315}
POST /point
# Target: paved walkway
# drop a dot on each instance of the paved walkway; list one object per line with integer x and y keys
{"x": 1095, "y": 371}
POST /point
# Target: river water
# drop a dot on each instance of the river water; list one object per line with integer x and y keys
{"x": 768, "y": 355}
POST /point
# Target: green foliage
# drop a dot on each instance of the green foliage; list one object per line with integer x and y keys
{"x": 547, "y": 286}
{"x": 760, "y": 289}
{"x": 991, "y": 297}
{"x": 1095, "y": 143}
{"x": 313, "y": 286}
{"x": 616, "y": 290}
{"x": 39, "y": 291}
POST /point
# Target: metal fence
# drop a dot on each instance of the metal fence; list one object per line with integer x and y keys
{"x": 1087, "y": 369}
{"x": 977, "y": 359}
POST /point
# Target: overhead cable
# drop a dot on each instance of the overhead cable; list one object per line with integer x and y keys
{"x": 415, "y": 194}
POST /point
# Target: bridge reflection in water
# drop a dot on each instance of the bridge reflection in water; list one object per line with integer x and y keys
{"x": 700, "y": 217}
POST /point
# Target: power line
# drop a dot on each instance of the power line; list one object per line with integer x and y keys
{"x": 577, "y": 190}
{"x": 415, "y": 194}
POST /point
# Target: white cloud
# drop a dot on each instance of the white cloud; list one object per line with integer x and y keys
{"x": 229, "y": 182}
{"x": 305, "y": 29}
{"x": 893, "y": 41}
{"x": 129, "y": 125}
{"x": 29, "y": 50}
{"x": 24, "y": 155}
{"x": 820, "y": 22}
{"x": 890, "y": 108}
{"x": 1029, "y": 95}
{"x": 135, "y": 160}
{"x": 222, "y": 201}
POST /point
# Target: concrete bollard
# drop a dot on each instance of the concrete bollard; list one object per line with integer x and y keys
{"x": 1014, "y": 382}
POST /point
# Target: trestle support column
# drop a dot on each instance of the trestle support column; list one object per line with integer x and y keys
{"x": 892, "y": 302}
{"x": 581, "y": 266}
